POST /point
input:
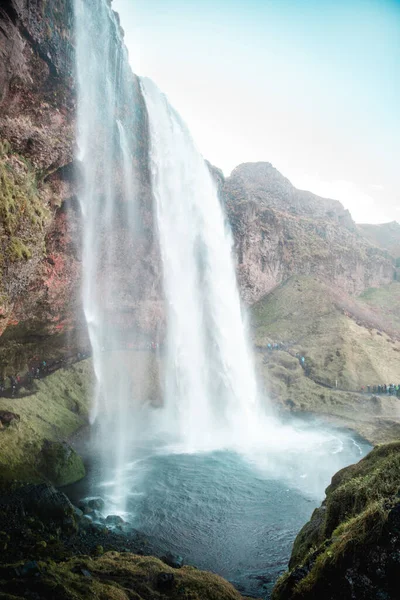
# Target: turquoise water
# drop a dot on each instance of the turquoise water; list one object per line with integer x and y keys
{"x": 227, "y": 513}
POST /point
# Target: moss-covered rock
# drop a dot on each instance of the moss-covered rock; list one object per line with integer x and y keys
{"x": 117, "y": 576}
{"x": 60, "y": 464}
{"x": 351, "y": 546}
{"x": 33, "y": 450}
{"x": 23, "y": 213}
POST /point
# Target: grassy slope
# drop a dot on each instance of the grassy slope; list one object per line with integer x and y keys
{"x": 58, "y": 408}
{"x": 386, "y": 235}
{"x": 385, "y": 302}
{"x": 305, "y": 314}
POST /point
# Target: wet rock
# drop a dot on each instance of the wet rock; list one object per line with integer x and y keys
{"x": 99, "y": 528}
{"x": 97, "y": 516}
{"x": 173, "y": 560}
{"x": 165, "y": 581}
{"x": 85, "y": 522}
{"x": 44, "y": 501}
{"x": 86, "y": 573}
{"x": 95, "y": 503}
{"x": 29, "y": 569}
{"x": 78, "y": 513}
{"x": 114, "y": 520}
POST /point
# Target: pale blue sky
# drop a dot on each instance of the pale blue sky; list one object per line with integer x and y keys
{"x": 312, "y": 86}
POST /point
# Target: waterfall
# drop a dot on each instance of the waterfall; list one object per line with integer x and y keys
{"x": 107, "y": 148}
{"x": 211, "y": 398}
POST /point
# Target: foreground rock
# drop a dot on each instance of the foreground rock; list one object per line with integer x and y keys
{"x": 350, "y": 549}
{"x": 49, "y": 551}
{"x": 117, "y": 576}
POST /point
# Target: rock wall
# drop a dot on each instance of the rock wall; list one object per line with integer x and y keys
{"x": 40, "y": 220}
{"x": 280, "y": 231}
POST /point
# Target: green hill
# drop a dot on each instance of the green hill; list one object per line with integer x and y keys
{"x": 343, "y": 350}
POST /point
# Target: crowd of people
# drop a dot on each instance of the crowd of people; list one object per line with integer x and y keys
{"x": 389, "y": 389}
{"x": 282, "y": 346}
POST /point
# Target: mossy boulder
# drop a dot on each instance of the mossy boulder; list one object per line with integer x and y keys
{"x": 118, "y": 576}
{"x": 351, "y": 546}
{"x": 60, "y": 464}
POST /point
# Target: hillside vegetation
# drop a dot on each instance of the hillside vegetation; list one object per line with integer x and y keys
{"x": 343, "y": 351}
{"x": 385, "y": 235}
{"x": 32, "y": 446}
{"x": 350, "y": 547}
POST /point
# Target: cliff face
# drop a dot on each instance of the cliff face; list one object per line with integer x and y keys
{"x": 40, "y": 220}
{"x": 40, "y": 264}
{"x": 280, "y": 231}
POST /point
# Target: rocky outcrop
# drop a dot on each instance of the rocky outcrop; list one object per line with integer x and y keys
{"x": 351, "y": 546}
{"x": 280, "y": 231}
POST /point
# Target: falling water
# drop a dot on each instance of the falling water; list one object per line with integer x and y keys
{"x": 211, "y": 393}
{"x": 211, "y": 400}
{"x": 106, "y": 149}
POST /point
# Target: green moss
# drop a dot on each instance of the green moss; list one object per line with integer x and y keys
{"x": 348, "y": 526}
{"x": 17, "y": 250}
{"x": 22, "y": 213}
{"x": 58, "y": 409}
{"x": 125, "y": 577}
{"x": 352, "y": 536}
{"x": 60, "y": 464}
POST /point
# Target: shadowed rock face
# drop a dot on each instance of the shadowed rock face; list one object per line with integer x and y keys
{"x": 279, "y": 231}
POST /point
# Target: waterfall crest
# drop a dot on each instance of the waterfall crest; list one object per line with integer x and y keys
{"x": 211, "y": 397}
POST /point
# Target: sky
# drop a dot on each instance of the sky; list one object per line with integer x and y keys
{"x": 312, "y": 86}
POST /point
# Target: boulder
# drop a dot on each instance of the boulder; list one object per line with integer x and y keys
{"x": 44, "y": 501}
{"x": 60, "y": 464}
{"x": 114, "y": 520}
{"x": 173, "y": 560}
{"x": 8, "y": 418}
{"x": 350, "y": 549}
